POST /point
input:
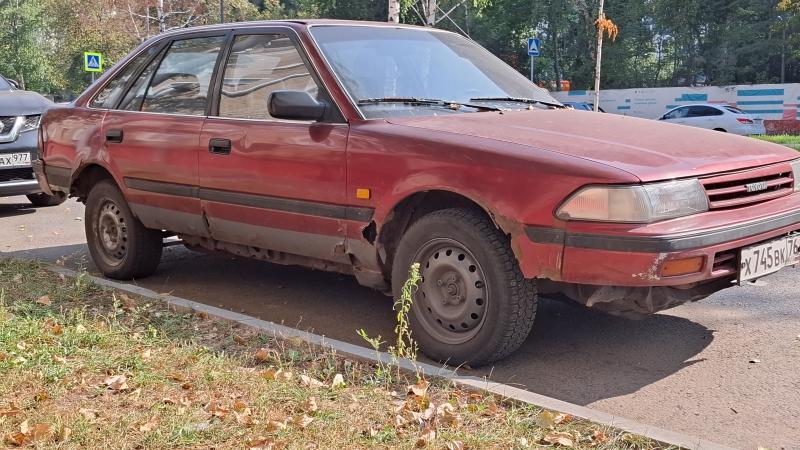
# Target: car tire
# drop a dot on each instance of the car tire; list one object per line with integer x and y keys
{"x": 43, "y": 200}
{"x": 120, "y": 246}
{"x": 721, "y": 130}
{"x": 472, "y": 305}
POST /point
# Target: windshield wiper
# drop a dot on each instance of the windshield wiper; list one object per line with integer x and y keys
{"x": 529, "y": 101}
{"x": 424, "y": 101}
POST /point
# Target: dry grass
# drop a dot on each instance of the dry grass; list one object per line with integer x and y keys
{"x": 83, "y": 367}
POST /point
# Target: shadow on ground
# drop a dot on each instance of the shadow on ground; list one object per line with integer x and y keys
{"x": 15, "y": 209}
{"x": 573, "y": 354}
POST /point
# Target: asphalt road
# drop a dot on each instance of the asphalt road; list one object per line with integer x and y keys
{"x": 688, "y": 369}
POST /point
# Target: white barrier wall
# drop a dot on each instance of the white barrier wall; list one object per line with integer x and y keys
{"x": 768, "y": 101}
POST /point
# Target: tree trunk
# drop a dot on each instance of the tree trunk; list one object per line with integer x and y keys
{"x": 394, "y": 11}
{"x": 162, "y": 24}
{"x": 430, "y": 13}
{"x": 598, "y": 62}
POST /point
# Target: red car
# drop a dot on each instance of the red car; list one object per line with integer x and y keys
{"x": 363, "y": 148}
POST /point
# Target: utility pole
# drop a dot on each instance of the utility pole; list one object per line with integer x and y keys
{"x": 599, "y": 60}
{"x": 783, "y": 52}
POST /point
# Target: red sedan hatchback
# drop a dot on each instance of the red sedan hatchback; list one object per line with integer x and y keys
{"x": 363, "y": 148}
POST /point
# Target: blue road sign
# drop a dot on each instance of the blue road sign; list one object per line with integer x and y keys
{"x": 92, "y": 62}
{"x": 534, "y": 47}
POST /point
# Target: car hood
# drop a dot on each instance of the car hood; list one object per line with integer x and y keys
{"x": 648, "y": 149}
{"x": 22, "y": 103}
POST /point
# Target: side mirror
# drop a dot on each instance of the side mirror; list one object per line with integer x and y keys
{"x": 14, "y": 83}
{"x": 295, "y": 105}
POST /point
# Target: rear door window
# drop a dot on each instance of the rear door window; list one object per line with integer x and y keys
{"x": 258, "y": 65}
{"x": 704, "y": 111}
{"x": 181, "y": 83}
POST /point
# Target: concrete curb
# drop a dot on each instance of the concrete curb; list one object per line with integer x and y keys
{"x": 363, "y": 353}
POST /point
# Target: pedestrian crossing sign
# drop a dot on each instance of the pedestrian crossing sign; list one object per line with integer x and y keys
{"x": 92, "y": 62}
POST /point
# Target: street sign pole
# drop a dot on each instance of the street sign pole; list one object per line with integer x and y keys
{"x": 534, "y": 51}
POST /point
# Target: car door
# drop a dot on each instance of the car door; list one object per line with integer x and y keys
{"x": 153, "y": 134}
{"x": 266, "y": 183}
{"x": 703, "y": 117}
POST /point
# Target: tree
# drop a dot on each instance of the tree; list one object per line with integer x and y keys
{"x": 23, "y": 47}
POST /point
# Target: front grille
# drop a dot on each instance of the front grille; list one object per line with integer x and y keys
{"x": 747, "y": 187}
{"x": 23, "y": 173}
{"x": 725, "y": 263}
{"x": 8, "y": 123}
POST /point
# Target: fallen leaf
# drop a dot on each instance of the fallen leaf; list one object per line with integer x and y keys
{"x": 311, "y": 382}
{"x": 59, "y": 359}
{"x": 3, "y": 356}
{"x": 303, "y": 420}
{"x": 202, "y": 315}
{"x": 44, "y": 300}
{"x": 176, "y": 376}
{"x": 266, "y": 355}
{"x": 80, "y": 329}
{"x": 283, "y": 375}
{"x": 41, "y": 431}
{"x": 239, "y": 339}
{"x": 419, "y": 389}
{"x": 57, "y": 329}
{"x": 338, "y": 381}
{"x": 428, "y": 435}
{"x": 17, "y": 439}
{"x": 274, "y": 425}
{"x": 146, "y": 353}
{"x": 117, "y": 382}
{"x": 128, "y": 304}
{"x": 12, "y": 411}
{"x": 523, "y": 442}
{"x": 89, "y": 414}
{"x": 17, "y": 278}
{"x": 310, "y": 405}
{"x": 546, "y": 419}
{"x": 455, "y": 445}
{"x": 150, "y": 425}
{"x": 217, "y": 410}
{"x": 261, "y": 443}
{"x": 400, "y": 421}
{"x": 63, "y": 434}
{"x": 560, "y": 438}
{"x": 41, "y": 396}
{"x": 599, "y": 436}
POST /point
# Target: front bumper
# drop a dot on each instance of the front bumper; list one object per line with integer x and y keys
{"x": 13, "y": 181}
{"x": 616, "y": 255}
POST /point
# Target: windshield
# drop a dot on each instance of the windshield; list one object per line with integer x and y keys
{"x": 4, "y": 85}
{"x": 734, "y": 110}
{"x": 384, "y": 69}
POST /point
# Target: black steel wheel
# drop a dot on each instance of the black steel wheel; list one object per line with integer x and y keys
{"x": 120, "y": 245}
{"x": 472, "y": 304}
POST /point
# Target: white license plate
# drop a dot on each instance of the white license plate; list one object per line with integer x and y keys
{"x": 764, "y": 259}
{"x": 15, "y": 160}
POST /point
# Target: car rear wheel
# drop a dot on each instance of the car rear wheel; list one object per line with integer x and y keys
{"x": 120, "y": 245}
{"x": 41, "y": 199}
{"x": 472, "y": 305}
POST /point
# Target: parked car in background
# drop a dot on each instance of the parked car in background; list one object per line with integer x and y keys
{"x": 716, "y": 117}
{"x": 363, "y": 148}
{"x": 582, "y": 106}
{"x": 20, "y": 112}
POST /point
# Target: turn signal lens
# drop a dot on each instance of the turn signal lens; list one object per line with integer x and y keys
{"x": 685, "y": 266}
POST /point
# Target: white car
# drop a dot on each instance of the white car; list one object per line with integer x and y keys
{"x": 716, "y": 117}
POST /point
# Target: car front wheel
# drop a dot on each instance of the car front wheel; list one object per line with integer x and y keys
{"x": 472, "y": 305}
{"x": 120, "y": 245}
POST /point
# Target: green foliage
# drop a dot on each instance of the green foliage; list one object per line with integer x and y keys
{"x": 405, "y": 346}
{"x": 661, "y": 42}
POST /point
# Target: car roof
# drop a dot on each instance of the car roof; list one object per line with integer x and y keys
{"x": 292, "y": 23}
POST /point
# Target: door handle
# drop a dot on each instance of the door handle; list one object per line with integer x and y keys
{"x": 219, "y": 146}
{"x": 114, "y": 135}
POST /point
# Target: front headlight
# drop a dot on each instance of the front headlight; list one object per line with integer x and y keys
{"x": 31, "y": 123}
{"x": 796, "y": 174}
{"x": 636, "y": 204}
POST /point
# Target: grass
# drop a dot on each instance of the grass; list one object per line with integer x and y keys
{"x": 83, "y": 367}
{"x": 788, "y": 140}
